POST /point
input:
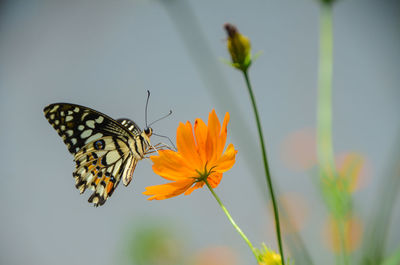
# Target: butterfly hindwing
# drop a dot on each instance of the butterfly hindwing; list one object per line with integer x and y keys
{"x": 100, "y": 166}
{"x": 104, "y": 150}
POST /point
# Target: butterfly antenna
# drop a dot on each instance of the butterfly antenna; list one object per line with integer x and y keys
{"x": 163, "y": 117}
{"x": 147, "y": 103}
{"x": 169, "y": 139}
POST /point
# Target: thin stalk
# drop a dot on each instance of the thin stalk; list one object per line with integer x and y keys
{"x": 231, "y": 219}
{"x": 342, "y": 234}
{"x": 324, "y": 112}
{"x": 266, "y": 167}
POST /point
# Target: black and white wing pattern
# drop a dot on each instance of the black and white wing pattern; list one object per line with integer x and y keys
{"x": 105, "y": 150}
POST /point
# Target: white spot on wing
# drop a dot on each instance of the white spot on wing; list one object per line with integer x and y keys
{"x": 62, "y": 127}
{"x": 73, "y": 140}
{"x": 70, "y": 132}
{"x": 81, "y": 127}
{"x": 90, "y": 124}
{"x": 81, "y": 170}
{"x": 52, "y": 116}
{"x": 69, "y": 118}
{"x": 86, "y": 133}
{"x": 99, "y": 119}
{"x": 112, "y": 157}
{"x": 89, "y": 179}
{"x": 101, "y": 153}
{"x": 76, "y": 109}
{"x": 116, "y": 167}
{"x": 100, "y": 190}
{"x": 54, "y": 108}
{"x": 57, "y": 122}
{"x": 93, "y": 137}
{"x": 83, "y": 115}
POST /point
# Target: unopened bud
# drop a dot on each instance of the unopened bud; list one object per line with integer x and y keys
{"x": 239, "y": 47}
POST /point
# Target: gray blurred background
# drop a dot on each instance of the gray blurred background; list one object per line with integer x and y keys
{"x": 106, "y": 54}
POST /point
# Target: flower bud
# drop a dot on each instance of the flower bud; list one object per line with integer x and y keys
{"x": 239, "y": 47}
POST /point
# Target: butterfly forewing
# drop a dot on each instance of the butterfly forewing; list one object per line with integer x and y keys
{"x": 78, "y": 125}
{"x": 104, "y": 150}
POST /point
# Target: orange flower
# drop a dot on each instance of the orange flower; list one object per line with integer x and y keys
{"x": 199, "y": 157}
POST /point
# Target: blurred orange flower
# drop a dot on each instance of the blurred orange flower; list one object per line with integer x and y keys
{"x": 353, "y": 233}
{"x": 199, "y": 157}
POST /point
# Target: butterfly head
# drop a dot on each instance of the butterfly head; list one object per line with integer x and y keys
{"x": 148, "y": 131}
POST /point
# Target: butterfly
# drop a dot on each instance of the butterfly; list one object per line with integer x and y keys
{"x": 105, "y": 150}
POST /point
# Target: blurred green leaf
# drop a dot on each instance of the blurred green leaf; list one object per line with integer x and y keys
{"x": 154, "y": 243}
{"x": 378, "y": 226}
{"x": 394, "y": 259}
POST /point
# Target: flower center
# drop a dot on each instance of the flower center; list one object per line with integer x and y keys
{"x": 203, "y": 175}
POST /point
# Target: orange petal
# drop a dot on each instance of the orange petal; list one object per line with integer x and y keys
{"x": 171, "y": 165}
{"x": 222, "y": 136}
{"x": 195, "y": 187}
{"x": 214, "y": 128}
{"x": 214, "y": 179}
{"x": 200, "y": 132}
{"x": 227, "y": 160}
{"x": 168, "y": 190}
{"x": 187, "y": 146}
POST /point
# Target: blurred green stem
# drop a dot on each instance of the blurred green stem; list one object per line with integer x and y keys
{"x": 381, "y": 226}
{"x": 231, "y": 219}
{"x": 324, "y": 113}
{"x": 266, "y": 167}
{"x": 342, "y": 235}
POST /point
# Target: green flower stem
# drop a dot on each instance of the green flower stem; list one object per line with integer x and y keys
{"x": 266, "y": 167}
{"x": 344, "y": 255}
{"x": 324, "y": 112}
{"x": 231, "y": 220}
{"x": 325, "y": 152}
